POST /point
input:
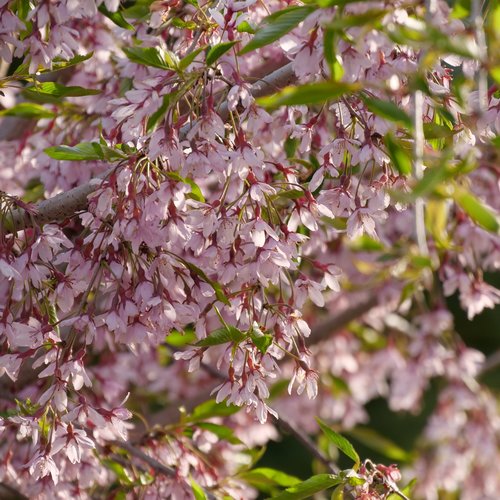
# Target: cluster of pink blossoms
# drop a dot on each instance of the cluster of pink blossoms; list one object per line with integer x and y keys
{"x": 241, "y": 226}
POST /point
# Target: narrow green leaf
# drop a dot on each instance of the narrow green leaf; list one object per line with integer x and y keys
{"x": 122, "y": 474}
{"x": 159, "y": 113}
{"x": 187, "y": 60}
{"x": 116, "y": 17}
{"x": 210, "y": 409}
{"x": 481, "y": 214}
{"x": 340, "y": 442}
{"x": 388, "y": 110}
{"x": 58, "y": 64}
{"x": 221, "y": 431}
{"x": 245, "y": 27}
{"x": 310, "y": 93}
{"x": 180, "y": 339}
{"x": 276, "y": 26}
{"x": 309, "y": 487}
{"x": 262, "y": 342}
{"x": 431, "y": 179}
{"x": 398, "y": 155}
{"x": 85, "y": 151}
{"x": 52, "y": 92}
{"x": 147, "y": 56}
{"x": 219, "y": 292}
{"x": 215, "y": 52}
{"x": 263, "y": 478}
{"x": 28, "y": 110}
{"x": 198, "y": 492}
{"x": 332, "y": 3}
{"x": 222, "y": 336}
{"x": 343, "y": 22}
{"x": 379, "y": 443}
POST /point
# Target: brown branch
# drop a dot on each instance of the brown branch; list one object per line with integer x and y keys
{"x": 71, "y": 202}
{"x": 8, "y": 492}
{"x": 338, "y": 321}
{"x": 157, "y": 466}
{"x": 153, "y": 463}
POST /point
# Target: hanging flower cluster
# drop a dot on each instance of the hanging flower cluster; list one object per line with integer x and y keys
{"x": 191, "y": 191}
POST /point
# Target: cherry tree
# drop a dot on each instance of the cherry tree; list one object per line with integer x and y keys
{"x": 226, "y": 221}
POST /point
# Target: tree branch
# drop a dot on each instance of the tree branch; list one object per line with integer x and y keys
{"x": 71, "y": 202}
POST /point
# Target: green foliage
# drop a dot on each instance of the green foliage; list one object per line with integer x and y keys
{"x": 85, "y": 151}
{"x": 222, "y": 336}
{"x": 276, "y": 26}
{"x": 147, "y": 56}
{"x": 340, "y": 442}
{"x": 311, "y": 93}
{"x": 388, "y": 110}
{"x": 52, "y": 92}
{"x": 309, "y": 487}
{"x": 28, "y": 110}
{"x": 116, "y": 17}
{"x": 215, "y": 52}
{"x": 210, "y": 409}
{"x": 476, "y": 209}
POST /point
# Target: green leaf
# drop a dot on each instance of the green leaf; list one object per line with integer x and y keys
{"x": 139, "y": 10}
{"x": 222, "y": 336}
{"x": 187, "y": 60}
{"x": 333, "y": 60}
{"x": 147, "y": 56}
{"x": 379, "y": 443}
{"x": 85, "y": 151}
{"x": 198, "y": 492}
{"x": 388, "y": 110}
{"x": 476, "y": 210}
{"x": 344, "y": 22}
{"x": 332, "y": 3}
{"x": 276, "y": 26}
{"x": 221, "y": 431}
{"x": 340, "y": 442}
{"x": 210, "y": 409}
{"x": 159, "y": 113}
{"x": 398, "y": 155}
{"x": 310, "y": 93}
{"x": 264, "y": 478}
{"x": 52, "y": 92}
{"x": 219, "y": 292}
{"x": 123, "y": 475}
{"x": 261, "y": 341}
{"x": 59, "y": 64}
{"x": 309, "y": 487}
{"x": 116, "y": 17}
{"x": 180, "y": 339}
{"x": 28, "y": 110}
{"x": 215, "y": 52}
{"x": 432, "y": 177}
{"x": 245, "y": 27}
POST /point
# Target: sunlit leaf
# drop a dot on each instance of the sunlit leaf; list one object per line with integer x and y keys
{"x": 276, "y": 26}
{"x": 340, "y": 442}
{"x": 85, "y": 151}
{"x": 28, "y": 110}
{"x": 481, "y": 214}
{"x": 215, "y": 52}
{"x": 222, "y": 336}
{"x": 210, "y": 409}
{"x": 115, "y": 17}
{"x": 311, "y": 93}
{"x": 309, "y": 487}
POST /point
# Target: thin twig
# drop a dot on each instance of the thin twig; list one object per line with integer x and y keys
{"x": 153, "y": 463}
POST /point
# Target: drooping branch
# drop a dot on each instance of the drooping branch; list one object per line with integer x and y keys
{"x": 71, "y": 202}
